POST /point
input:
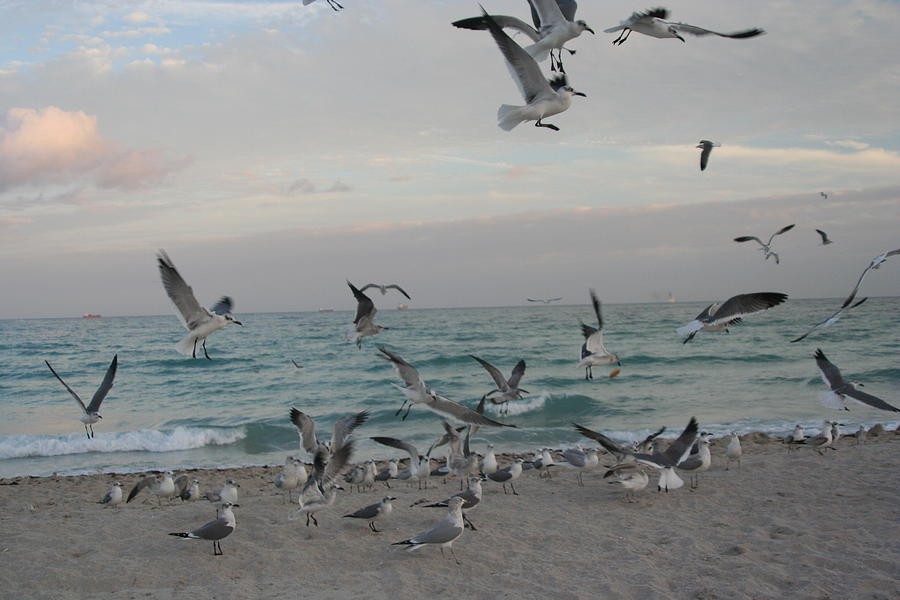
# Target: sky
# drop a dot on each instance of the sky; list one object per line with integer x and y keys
{"x": 276, "y": 150}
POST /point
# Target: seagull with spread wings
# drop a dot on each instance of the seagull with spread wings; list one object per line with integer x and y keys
{"x": 593, "y": 352}
{"x": 91, "y": 412}
{"x": 384, "y": 288}
{"x": 706, "y": 147}
{"x": 839, "y": 389}
{"x": 765, "y": 247}
{"x": 653, "y": 23}
{"x": 544, "y": 300}
{"x": 717, "y": 317}
{"x": 364, "y": 323}
{"x": 875, "y": 263}
{"x": 343, "y": 427}
{"x": 507, "y": 390}
{"x": 831, "y": 320}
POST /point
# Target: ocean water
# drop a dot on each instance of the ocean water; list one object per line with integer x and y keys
{"x": 168, "y": 411}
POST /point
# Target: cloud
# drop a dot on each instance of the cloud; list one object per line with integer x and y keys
{"x": 54, "y": 146}
{"x": 10, "y": 222}
{"x": 136, "y": 17}
{"x": 305, "y": 187}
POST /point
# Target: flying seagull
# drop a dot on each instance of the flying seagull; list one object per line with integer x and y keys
{"x": 717, "y": 317}
{"x": 199, "y": 321}
{"x": 825, "y": 240}
{"x": 554, "y": 25}
{"x": 653, "y": 22}
{"x": 385, "y": 288}
{"x": 343, "y": 427}
{"x": 835, "y": 316}
{"x": 543, "y": 98}
{"x": 544, "y": 300}
{"x": 765, "y": 247}
{"x": 707, "y": 150}
{"x": 508, "y": 390}
{"x": 593, "y": 352}
{"x": 416, "y": 392}
{"x": 824, "y": 195}
{"x": 320, "y": 490}
{"x": 875, "y": 263}
{"x": 214, "y": 531}
{"x": 332, "y": 3}
{"x": 838, "y": 389}
{"x": 91, "y": 412}
{"x": 364, "y": 323}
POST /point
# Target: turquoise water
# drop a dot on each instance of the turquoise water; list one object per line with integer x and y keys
{"x": 169, "y": 411}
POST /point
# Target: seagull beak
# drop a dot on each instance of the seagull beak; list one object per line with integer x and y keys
{"x": 679, "y": 37}
{"x": 579, "y": 94}
{"x": 235, "y": 506}
{"x": 236, "y": 322}
{"x": 99, "y": 417}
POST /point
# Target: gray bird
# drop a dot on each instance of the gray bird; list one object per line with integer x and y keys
{"x": 114, "y": 496}
{"x": 839, "y": 389}
{"x": 717, "y": 317}
{"x": 384, "y": 288}
{"x": 374, "y": 512}
{"x": 824, "y": 236}
{"x": 443, "y": 533}
{"x": 765, "y": 247}
{"x": 707, "y": 147}
{"x": 90, "y": 414}
{"x": 653, "y": 23}
{"x": 214, "y": 531}
{"x": 507, "y": 390}
{"x": 364, "y": 322}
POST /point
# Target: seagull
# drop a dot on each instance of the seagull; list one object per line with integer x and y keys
{"x": 717, "y": 317}
{"x": 593, "y": 352}
{"x": 508, "y": 390}
{"x": 114, "y": 496}
{"x": 443, "y": 533}
{"x": 796, "y": 438}
{"x": 419, "y": 465}
{"x": 646, "y": 446}
{"x": 697, "y": 463}
{"x": 543, "y": 464}
{"x": 187, "y": 488}
{"x": 91, "y": 412}
{"x": 489, "y": 462}
{"x": 825, "y": 240}
{"x": 385, "y": 288}
{"x": 471, "y": 498}
{"x": 765, "y": 247}
{"x": 364, "y": 323}
{"x": 831, "y": 320}
{"x": 321, "y": 489}
{"x": 875, "y": 263}
{"x": 335, "y": 6}
{"x": 296, "y": 364}
{"x": 161, "y": 487}
{"x": 836, "y": 431}
{"x": 460, "y": 461}
{"x": 617, "y": 450}
{"x": 416, "y": 392}
{"x": 227, "y": 493}
{"x": 836, "y": 396}
{"x": 824, "y": 195}
{"x": 860, "y": 435}
{"x": 544, "y": 300}
{"x": 507, "y": 475}
{"x": 554, "y": 25}
{"x": 631, "y": 476}
{"x": 388, "y": 473}
{"x": 653, "y": 22}
{"x": 373, "y": 512}
{"x": 199, "y": 321}
{"x": 214, "y": 531}
{"x": 824, "y": 440}
{"x": 577, "y": 458}
{"x": 543, "y": 98}
{"x": 733, "y": 451}
{"x": 343, "y": 427}
{"x": 707, "y": 150}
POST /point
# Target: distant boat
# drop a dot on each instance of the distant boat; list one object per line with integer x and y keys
{"x": 671, "y": 298}
{"x": 402, "y": 307}
{"x": 90, "y": 316}
{"x": 326, "y": 310}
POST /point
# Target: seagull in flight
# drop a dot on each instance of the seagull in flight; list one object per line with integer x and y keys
{"x": 554, "y": 25}
{"x": 385, "y": 288}
{"x": 543, "y": 98}
{"x": 717, "y": 317}
{"x": 707, "y": 150}
{"x": 544, "y": 300}
{"x": 824, "y": 236}
{"x": 838, "y": 389}
{"x": 321, "y": 488}
{"x": 508, "y": 390}
{"x": 91, "y": 412}
{"x": 593, "y": 352}
{"x": 831, "y": 320}
{"x": 416, "y": 392}
{"x": 765, "y": 247}
{"x": 875, "y": 263}
{"x": 364, "y": 323}
{"x": 653, "y": 22}
{"x": 199, "y": 321}
{"x": 343, "y": 427}
{"x": 335, "y": 6}
{"x": 824, "y": 195}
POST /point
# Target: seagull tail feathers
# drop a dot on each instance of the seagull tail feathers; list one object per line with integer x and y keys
{"x": 186, "y": 345}
{"x": 538, "y": 52}
{"x": 831, "y": 400}
{"x": 692, "y": 327}
{"x": 508, "y": 116}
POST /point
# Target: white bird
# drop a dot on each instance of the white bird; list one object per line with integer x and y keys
{"x": 824, "y": 236}
{"x": 554, "y": 25}
{"x": 860, "y": 435}
{"x": 835, "y": 431}
{"x": 507, "y": 390}
{"x": 631, "y": 476}
{"x": 831, "y": 320}
{"x": 733, "y": 451}
{"x": 717, "y": 317}
{"x": 875, "y": 263}
{"x": 320, "y": 491}
{"x": 838, "y": 389}
{"x": 543, "y": 98}
{"x": 489, "y": 462}
{"x": 161, "y": 487}
{"x": 227, "y": 493}
{"x": 765, "y": 247}
{"x": 343, "y": 427}
{"x": 508, "y": 475}
{"x": 443, "y": 533}
{"x": 199, "y": 321}
{"x": 580, "y": 460}
{"x": 91, "y": 412}
{"x": 374, "y": 512}
{"x": 707, "y": 147}
{"x": 824, "y": 440}
{"x": 214, "y": 531}
{"x": 335, "y": 6}
{"x": 544, "y": 300}
{"x": 654, "y": 24}
{"x": 593, "y": 352}
{"x": 416, "y": 392}
{"x": 697, "y": 463}
{"x": 364, "y": 323}
{"x": 187, "y": 488}
{"x": 385, "y": 288}
{"x": 114, "y": 496}
{"x": 796, "y": 438}
{"x": 471, "y": 499}
{"x": 292, "y": 476}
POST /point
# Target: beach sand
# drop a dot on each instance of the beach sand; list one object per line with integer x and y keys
{"x": 786, "y": 525}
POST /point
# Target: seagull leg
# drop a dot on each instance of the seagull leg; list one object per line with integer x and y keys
{"x": 307, "y": 519}
{"x": 515, "y": 493}
{"x": 313, "y": 517}
{"x": 616, "y": 41}
{"x": 580, "y": 480}
{"x": 334, "y": 5}
{"x": 444, "y": 556}
{"x": 372, "y": 527}
{"x": 400, "y": 410}
{"x": 538, "y": 123}
{"x": 204, "y": 350}
{"x": 86, "y": 431}
{"x": 454, "y": 555}
{"x": 92, "y": 431}
{"x": 408, "y": 408}
{"x": 194, "y": 352}
{"x": 504, "y": 489}
{"x": 469, "y": 523}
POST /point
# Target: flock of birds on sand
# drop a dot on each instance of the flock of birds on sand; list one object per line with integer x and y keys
{"x": 554, "y": 26}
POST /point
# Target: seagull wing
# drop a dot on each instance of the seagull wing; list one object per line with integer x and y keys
{"x": 214, "y": 530}
{"x": 868, "y": 399}
{"x": 653, "y": 436}
{"x": 780, "y": 231}
{"x": 365, "y": 308}
{"x": 568, "y": 8}
{"x": 143, "y": 483}
{"x": 306, "y": 428}
{"x": 681, "y": 447}
{"x": 495, "y": 374}
{"x": 369, "y": 285}
{"x": 367, "y": 512}
{"x": 105, "y": 386}
{"x": 747, "y": 238}
{"x": 517, "y": 373}
{"x": 526, "y": 72}
{"x": 65, "y": 385}
{"x": 182, "y": 484}
{"x": 867, "y": 269}
{"x": 546, "y": 14}
{"x": 192, "y": 314}
{"x": 399, "y": 289}
{"x": 454, "y": 410}
{"x": 704, "y": 156}
{"x": 406, "y": 371}
{"x": 344, "y": 426}
{"x": 823, "y": 235}
{"x": 744, "y": 304}
{"x": 831, "y": 375}
{"x": 698, "y": 31}
{"x": 575, "y": 457}
{"x": 611, "y": 446}
{"x": 478, "y": 23}
{"x": 336, "y": 463}
{"x": 595, "y": 302}
{"x": 224, "y": 306}
{"x": 442, "y": 532}
{"x": 400, "y": 445}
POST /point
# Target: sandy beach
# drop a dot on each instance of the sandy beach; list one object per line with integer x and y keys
{"x": 792, "y": 524}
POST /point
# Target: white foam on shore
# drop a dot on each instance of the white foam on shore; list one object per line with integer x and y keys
{"x": 144, "y": 440}
{"x": 517, "y": 407}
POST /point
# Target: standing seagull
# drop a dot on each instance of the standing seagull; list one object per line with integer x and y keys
{"x": 831, "y": 320}
{"x": 416, "y": 392}
{"x": 875, "y": 263}
{"x": 653, "y": 23}
{"x": 508, "y": 475}
{"x": 161, "y": 487}
{"x": 733, "y": 451}
{"x": 508, "y": 390}
{"x": 214, "y": 531}
{"x": 114, "y": 496}
{"x": 91, "y": 412}
{"x": 717, "y": 317}
{"x": 373, "y": 512}
{"x": 824, "y": 236}
{"x": 471, "y": 497}
{"x": 707, "y": 150}
{"x": 839, "y": 389}
{"x": 542, "y": 98}
{"x": 765, "y": 247}
{"x": 385, "y": 288}
{"x": 364, "y": 323}
{"x": 199, "y": 321}
{"x": 593, "y": 352}
{"x": 443, "y": 533}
